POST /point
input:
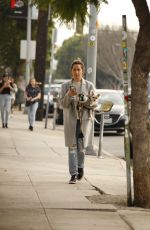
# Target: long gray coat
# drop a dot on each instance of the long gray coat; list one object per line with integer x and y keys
{"x": 70, "y": 117}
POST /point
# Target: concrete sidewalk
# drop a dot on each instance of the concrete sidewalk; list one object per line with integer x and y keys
{"x": 34, "y": 189}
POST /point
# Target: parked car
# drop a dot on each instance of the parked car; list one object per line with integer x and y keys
{"x": 54, "y": 91}
{"x": 114, "y": 120}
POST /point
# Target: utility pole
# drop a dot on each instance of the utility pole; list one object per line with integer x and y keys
{"x": 92, "y": 56}
{"x": 28, "y": 43}
{"x": 54, "y": 38}
{"x": 125, "y": 83}
{"x": 92, "y": 45}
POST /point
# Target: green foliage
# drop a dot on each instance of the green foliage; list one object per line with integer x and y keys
{"x": 68, "y": 10}
{"x": 109, "y": 54}
{"x": 11, "y": 32}
{"x": 71, "y": 49}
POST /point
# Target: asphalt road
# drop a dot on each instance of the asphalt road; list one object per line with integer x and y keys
{"x": 113, "y": 143}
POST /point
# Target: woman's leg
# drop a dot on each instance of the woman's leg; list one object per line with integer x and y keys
{"x": 32, "y": 113}
{"x": 2, "y": 105}
{"x": 80, "y": 157}
{"x": 29, "y": 112}
{"x": 7, "y": 108}
{"x": 80, "y": 149}
{"x": 73, "y": 163}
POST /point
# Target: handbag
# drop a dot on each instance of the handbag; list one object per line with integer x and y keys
{"x": 28, "y": 103}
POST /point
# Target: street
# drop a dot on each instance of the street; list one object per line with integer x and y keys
{"x": 113, "y": 143}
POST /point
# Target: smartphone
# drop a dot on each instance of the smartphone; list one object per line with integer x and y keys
{"x": 73, "y": 88}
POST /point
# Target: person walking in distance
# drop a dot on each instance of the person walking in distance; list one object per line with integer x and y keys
{"x": 33, "y": 95}
{"x": 13, "y": 94}
{"x": 78, "y": 107}
{"x": 6, "y": 87}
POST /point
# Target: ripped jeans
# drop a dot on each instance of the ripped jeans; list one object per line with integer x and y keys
{"x": 76, "y": 157}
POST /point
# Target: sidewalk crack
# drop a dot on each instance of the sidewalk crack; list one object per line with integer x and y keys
{"x": 95, "y": 187}
{"x": 128, "y": 223}
{"x": 51, "y": 228}
{"x": 52, "y": 149}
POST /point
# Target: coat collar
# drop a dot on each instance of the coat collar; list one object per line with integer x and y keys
{"x": 82, "y": 81}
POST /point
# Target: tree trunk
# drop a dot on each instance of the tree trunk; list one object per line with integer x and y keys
{"x": 40, "y": 61}
{"x": 140, "y": 123}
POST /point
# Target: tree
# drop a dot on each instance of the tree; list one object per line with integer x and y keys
{"x": 10, "y": 45}
{"x": 71, "y": 49}
{"x": 140, "y": 123}
{"x": 77, "y": 9}
{"x": 40, "y": 60}
{"x": 109, "y": 52}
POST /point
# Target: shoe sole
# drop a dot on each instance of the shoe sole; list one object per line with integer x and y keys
{"x": 72, "y": 182}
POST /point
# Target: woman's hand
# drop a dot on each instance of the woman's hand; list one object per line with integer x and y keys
{"x": 72, "y": 92}
{"x": 29, "y": 98}
{"x": 33, "y": 98}
{"x": 6, "y": 85}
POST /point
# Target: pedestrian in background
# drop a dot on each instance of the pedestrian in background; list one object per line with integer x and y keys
{"x": 6, "y": 87}
{"x": 20, "y": 95}
{"x": 78, "y": 118}
{"x": 33, "y": 95}
{"x": 13, "y": 94}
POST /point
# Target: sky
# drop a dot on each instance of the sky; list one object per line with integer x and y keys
{"x": 110, "y": 14}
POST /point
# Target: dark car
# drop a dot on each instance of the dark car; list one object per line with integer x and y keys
{"x": 114, "y": 120}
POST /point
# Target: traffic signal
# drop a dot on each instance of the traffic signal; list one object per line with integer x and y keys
{"x": 18, "y": 9}
{"x": 12, "y": 4}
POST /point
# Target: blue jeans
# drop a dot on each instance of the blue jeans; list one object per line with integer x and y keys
{"x": 76, "y": 158}
{"x": 32, "y": 113}
{"x": 5, "y": 106}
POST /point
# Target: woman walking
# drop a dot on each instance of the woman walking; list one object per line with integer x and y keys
{"x": 33, "y": 95}
{"x": 6, "y": 87}
{"x": 13, "y": 94}
{"x": 76, "y": 99}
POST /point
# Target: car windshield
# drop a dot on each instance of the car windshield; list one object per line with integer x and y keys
{"x": 54, "y": 90}
{"x": 116, "y": 99}
{"x": 46, "y": 89}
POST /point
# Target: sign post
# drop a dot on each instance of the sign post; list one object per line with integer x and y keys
{"x": 92, "y": 45}
{"x": 126, "y": 135}
{"x": 28, "y": 60}
{"x": 92, "y": 56}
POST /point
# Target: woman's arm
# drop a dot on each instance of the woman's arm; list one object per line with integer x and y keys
{"x": 37, "y": 97}
{"x": 2, "y": 87}
{"x": 66, "y": 96}
{"x": 26, "y": 95}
